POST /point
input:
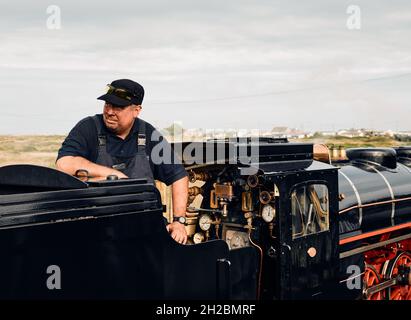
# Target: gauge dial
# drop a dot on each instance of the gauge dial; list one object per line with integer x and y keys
{"x": 236, "y": 239}
{"x": 268, "y": 213}
{"x": 198, "y": 237}
{"x": 205, "y": 222}
{"x": 265, "y": 197}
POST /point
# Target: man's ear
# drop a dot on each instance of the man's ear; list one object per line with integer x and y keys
{"x": 136, "y": 110}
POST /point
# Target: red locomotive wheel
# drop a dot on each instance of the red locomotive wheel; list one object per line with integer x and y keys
{"x": 399, "y": 292}
{"x": 372, "y": 278}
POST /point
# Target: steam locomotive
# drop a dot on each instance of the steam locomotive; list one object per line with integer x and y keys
{"x": 267, "y": 219}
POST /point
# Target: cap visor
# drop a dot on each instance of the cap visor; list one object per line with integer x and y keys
{"x": 114, "y": 100}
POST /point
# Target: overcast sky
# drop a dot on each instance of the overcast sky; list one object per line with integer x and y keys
{"x": 208, "y": 63}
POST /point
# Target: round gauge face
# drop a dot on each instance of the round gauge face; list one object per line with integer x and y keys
{"x": 198, "y": 237}
{"x": 205, "y": 222}
{"x": 236, "y": 239}
{"x": 268, "y": 213}
{"x": 265, "y": 197}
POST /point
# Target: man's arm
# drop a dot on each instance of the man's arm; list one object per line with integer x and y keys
{"x": 180, "y": 196}
{"x": 70, "y": 164}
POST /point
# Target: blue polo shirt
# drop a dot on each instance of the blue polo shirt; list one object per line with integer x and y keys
{"x": 83, "y": 141}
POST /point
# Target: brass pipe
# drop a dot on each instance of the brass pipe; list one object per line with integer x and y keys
{"x": 217, "y": 223}
{"x": 271, "y": 229}
{"x": 246, "y": 201}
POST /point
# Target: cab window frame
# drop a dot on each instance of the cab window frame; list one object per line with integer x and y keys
{"x": 302, "y": 231}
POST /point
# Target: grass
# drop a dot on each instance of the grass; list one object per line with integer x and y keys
{"x": 337, "y": 141}
{"x": 42, "y": 150}
{"x": 39, "y": 150}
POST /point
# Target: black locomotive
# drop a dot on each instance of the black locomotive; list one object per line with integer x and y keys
{"x": 267, "y": 219}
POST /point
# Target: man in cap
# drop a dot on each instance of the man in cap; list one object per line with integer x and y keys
{"x": 117, "y": 142}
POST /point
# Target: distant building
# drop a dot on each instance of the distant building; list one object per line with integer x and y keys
{"x": 329, "y": 133}
{"x": 351, "y": 133}
{"x": 285, "y": 132}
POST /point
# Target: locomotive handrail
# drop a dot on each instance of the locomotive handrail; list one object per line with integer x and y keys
{"x": 372, "y": 204}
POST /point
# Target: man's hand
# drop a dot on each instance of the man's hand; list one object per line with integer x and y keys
{"x": 178, "y": 232}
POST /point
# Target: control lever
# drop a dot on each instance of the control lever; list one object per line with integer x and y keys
{"x": 194, "y": 210}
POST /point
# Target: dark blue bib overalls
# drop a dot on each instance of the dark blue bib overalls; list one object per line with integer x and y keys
{"x": 137, "y": 167}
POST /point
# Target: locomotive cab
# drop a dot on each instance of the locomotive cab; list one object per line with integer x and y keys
{"x": 309, "y": 232}
{"x": 280, "y": 204}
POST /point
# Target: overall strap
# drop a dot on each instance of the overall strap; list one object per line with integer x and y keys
{"x": 102, "y": 139}
{"x": 141, "y": 137}
{"x": 103, "y": 158}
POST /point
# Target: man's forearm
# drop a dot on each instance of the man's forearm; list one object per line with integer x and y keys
{"x": 180, "y": 196}
{"x": 70, "y": 165}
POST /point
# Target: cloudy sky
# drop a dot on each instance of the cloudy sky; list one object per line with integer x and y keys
{"x": 208, "y": 63}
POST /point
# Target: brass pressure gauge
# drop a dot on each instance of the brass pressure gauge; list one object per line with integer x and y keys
{"x": 268, "y": 213}
{"x": 252, "y": 181}
{"x": 198, "y": 237}
{"x": 205, "y": 222}
{"x": 265, "y": 197}
{"x": 236, "y": 239}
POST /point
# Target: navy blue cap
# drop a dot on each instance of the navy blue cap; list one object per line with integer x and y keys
{"x": 129, "y": 92}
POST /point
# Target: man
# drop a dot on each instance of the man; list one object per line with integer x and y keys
{"x": 117, "y": 142}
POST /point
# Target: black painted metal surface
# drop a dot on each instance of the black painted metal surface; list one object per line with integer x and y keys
{"x": 366, "y": 184}
{"x": 243, "y": 151}
{"x": 30, "y": 178}
{"x": 109, "y": 241}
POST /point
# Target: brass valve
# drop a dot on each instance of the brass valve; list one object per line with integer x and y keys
{"x": 195, "y": 191}
{"x": 201, "y": 176}
{"x": 249, "y": 217}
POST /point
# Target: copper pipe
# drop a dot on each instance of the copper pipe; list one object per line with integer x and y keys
{"x": 260, "y": 271}
{"x": 374, "y": 204}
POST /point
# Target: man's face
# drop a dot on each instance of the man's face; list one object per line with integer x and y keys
{"x": 120, "y": 119}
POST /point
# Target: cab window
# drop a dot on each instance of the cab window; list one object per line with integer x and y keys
{"x": 309, "y": 209}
